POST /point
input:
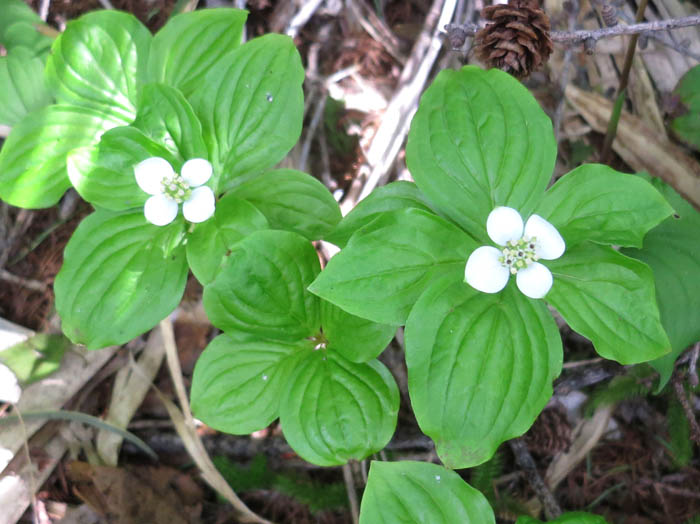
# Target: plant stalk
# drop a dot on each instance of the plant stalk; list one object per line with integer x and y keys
{"x": 622, "y": 88}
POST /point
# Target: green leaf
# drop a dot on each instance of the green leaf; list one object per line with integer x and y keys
{"x": 261, "y": 289}
{"x": 33, "y": 158}
{"x": 99, "y": 62}
{"x": 189, "y": 45}
{"x": 671, "y": 250}
{"x": 687, "y": 125}
{"x": 479, "y": 140}
{"x": 357, "y": 339}
{"x": 18, "y": 28}
{"x": 237, "y": 385}
{"x": 293, "y": 201}
{"x": 577, "y": 517}
{"x": 35, "y": 358}
{"x": 391, "y": 197}
{"x": 334, "y": 410}
{"x": 480, "y": 367}
{"x": 595, "y": 202}
{"x": 120, "y": 277}
{"x": 609, "y": 298}
{"x": 26, "y": 35}
{"x": 381, "y": 273}
{"x": 168, "y": 119}
{"x": 12, "y": 11}
{"x": 21, "y": 92}
{"x": 251, "y": 107}
{"x": 210, "y": 244}
{"x": 103, "y": 174}
{"x": 419, "y": 492}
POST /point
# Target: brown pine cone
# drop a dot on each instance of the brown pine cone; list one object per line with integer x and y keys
{"x": 517, "y": 40}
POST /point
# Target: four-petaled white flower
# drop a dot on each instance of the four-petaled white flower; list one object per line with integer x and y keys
{"x": 156, "y": 177}
{"x": 488, "y": 268}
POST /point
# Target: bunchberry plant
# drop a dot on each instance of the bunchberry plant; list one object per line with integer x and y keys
{"x": 171, "y": 138}
{"x": 286, "y": 353}
{"x": 482, "y": 349}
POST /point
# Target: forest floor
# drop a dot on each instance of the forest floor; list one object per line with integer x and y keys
{"x": 606, "y": 443}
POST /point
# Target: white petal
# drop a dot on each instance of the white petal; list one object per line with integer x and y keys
{"x": 150, "y": 172}
{"x": 549, "y": 244}
{"x": 200, "y": 205}
{"x": 9, "y": 387}
{"x": 160, "y": 210}
{"x": 534, "y": 281}
{"x": 504, "y": 224}
{"x": 196, "y": 171}
{"x": 484, "y": 271}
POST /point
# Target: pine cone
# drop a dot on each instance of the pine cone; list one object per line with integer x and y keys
{"x": 518, "y": 39}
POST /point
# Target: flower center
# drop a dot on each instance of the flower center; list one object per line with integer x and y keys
{"x": 518, "y": 254}
{"x": 175, "y": 188}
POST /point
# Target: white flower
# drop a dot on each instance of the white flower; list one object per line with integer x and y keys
{"x": 488, "y": 268}
{"x": 9, "y": 386}
{"x": 156, "y": 177}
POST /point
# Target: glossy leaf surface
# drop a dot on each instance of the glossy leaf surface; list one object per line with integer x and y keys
{"x": 480, "y": 367}
{"x": 391, "y": 197}
{"x": 237, "y": 384}
{"x": 671, "y": 251}
{"x": 334, "y": 410}
{"x": 168, "y": 119}
{"x": 21, "y": 86}
{"x": 357, "y": 339}
{"x": 251, "y": 107}
{"x": 610, "y": 299}
{"x": 120, "y": 277}
{"x": 261, "y": 289}
{"x": 103, "y": 174}
{"x": 33, "y": 158}
{"x": 595, "y": 202}
{"x": 380, "y": 274}
{"x": 187, "y": 47}
{"x": 99, "y": 62}
{"x": 419, "y": 492}
{"x": 479, "y": 140}
{"x": 210, "y": 243}
{"x": 293, "y": 201}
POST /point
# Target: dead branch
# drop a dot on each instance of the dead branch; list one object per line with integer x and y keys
{"x": 457, "y": 33}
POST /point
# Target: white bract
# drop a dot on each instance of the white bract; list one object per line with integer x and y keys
{"x": 489, "y": 268}
{"x": 156, "y": 177}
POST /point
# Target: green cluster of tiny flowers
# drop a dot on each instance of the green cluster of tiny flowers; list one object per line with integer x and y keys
{"x": 176, "y": 188}
{"x": 518, "y": 254}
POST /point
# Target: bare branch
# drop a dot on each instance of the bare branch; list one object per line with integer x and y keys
{"x": 458, "y": 33}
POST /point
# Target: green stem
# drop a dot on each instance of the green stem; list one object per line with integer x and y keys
{"x": 622, "y": 87}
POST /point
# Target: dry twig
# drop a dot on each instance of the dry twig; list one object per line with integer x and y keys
{"x": 184, "y": 424}
{"x": 679, "y": 390}
{"x": 525, "y": 461}
{"x": 458, "y": 33}
{"x": 29, "y": 283}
